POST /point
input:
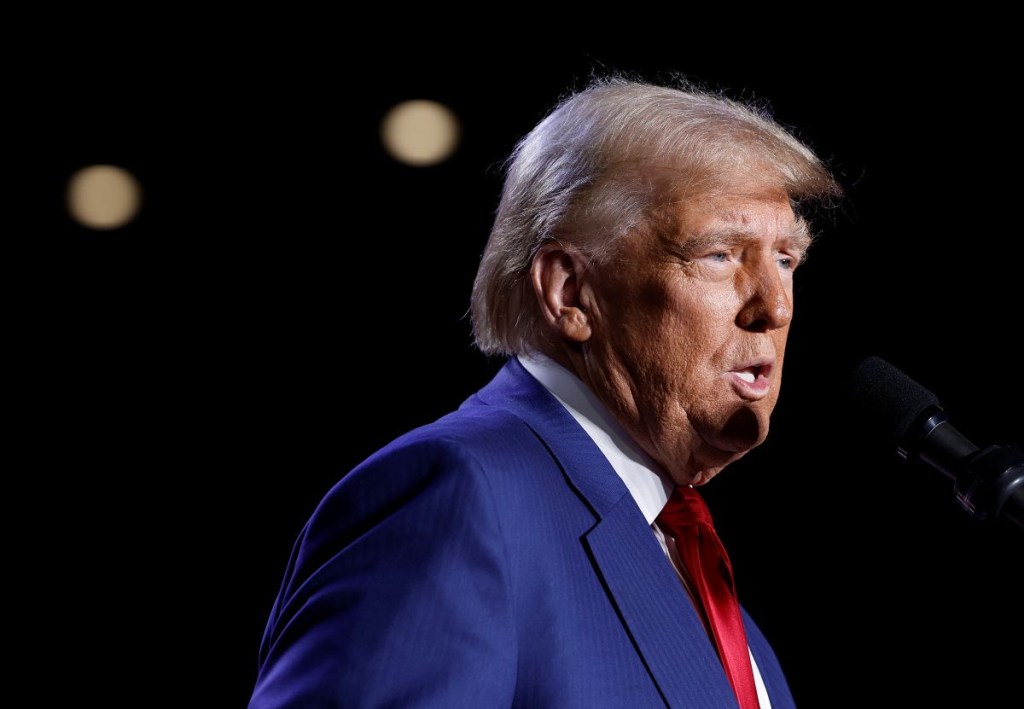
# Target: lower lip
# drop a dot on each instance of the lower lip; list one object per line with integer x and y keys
{"x": 754, "y": 390}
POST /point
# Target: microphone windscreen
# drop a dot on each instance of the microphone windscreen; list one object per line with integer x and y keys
{"x": 885, "y": 402}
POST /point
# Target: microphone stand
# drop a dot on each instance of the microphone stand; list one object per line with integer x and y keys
{"x": 993, "y": 485}
{"x": 989, "y": 483}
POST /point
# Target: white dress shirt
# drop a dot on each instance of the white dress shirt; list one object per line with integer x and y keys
{"x": 643, "y": 477}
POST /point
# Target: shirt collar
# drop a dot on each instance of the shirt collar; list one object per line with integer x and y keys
{"x": 647, "y": 483}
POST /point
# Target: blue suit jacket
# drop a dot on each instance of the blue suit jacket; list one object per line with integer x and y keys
{"x": 492, "y": 558}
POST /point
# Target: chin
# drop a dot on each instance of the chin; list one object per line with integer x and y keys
{"x": 715, "y": 461}
{"x": 746, "y": 429}
{"x": 706, "y": 473}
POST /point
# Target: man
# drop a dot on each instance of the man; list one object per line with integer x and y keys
{"x": 514, "y": 553}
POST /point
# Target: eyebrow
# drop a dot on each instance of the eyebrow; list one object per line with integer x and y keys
{"x": 797, "y": 239}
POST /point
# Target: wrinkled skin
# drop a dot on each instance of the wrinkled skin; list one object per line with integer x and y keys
{"x": 682, "y": 334}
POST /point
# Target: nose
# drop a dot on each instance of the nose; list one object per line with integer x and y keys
{"x": 767, "y": 299}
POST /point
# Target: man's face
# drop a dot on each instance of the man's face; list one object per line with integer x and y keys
{"x": 690, "y": 328}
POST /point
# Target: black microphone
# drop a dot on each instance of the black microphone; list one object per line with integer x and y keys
{"x": 907, "y": 418}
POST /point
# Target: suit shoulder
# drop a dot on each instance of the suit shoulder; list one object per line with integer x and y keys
{"x": 474, "y": 428}
{"x": 455, "y": 467}
{"x": 476, "y": 446}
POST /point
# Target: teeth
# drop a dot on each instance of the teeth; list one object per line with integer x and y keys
{"x": 747, "y": 376}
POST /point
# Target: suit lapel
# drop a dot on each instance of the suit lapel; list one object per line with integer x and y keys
{"x": 586, "y": 468}
{"x": 641, "y": 584}
{"x": 657, "y": 611}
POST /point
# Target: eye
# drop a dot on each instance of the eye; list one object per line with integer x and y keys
{"x": 787, "y": 262}
{"x": 718, "y": 256}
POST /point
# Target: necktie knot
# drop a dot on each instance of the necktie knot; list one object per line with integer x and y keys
{"x": 707, "y": 565}
{"x": 685, "y": 507}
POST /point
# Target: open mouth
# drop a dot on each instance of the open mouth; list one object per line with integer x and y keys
{"x": 750, "y": 374}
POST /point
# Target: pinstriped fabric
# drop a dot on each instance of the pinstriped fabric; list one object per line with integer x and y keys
{"x": 710, "y": 575}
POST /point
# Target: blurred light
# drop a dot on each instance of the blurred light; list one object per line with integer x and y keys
{"x": 420, "y": 132}
{"x": 103, "y": 197}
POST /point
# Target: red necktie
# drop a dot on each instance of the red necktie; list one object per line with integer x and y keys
{"x": 710, "y": 574}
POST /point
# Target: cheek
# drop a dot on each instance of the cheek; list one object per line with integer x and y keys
{"x": 641, "y": 318}
{"x": 650, "y": 299}
{"x": 779, "y": 338}
{"x": 665, "y": 331}
{"x": 702, "y": 324}
{"x": 717, "y": 306}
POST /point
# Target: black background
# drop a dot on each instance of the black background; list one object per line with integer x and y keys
{"x": 291, "y": 298}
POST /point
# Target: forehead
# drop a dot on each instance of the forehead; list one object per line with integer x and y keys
{"x": 737, "y": 206}
{"x": 738, "y": 210}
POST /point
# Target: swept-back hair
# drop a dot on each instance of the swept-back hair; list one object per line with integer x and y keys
{"x": 601, "y": 164}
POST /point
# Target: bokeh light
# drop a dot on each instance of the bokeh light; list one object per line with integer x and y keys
{"x": 103, "y": 197}
{"x": 420, "y": 132}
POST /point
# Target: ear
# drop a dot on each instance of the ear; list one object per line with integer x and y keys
{"x": 559, "y": 272}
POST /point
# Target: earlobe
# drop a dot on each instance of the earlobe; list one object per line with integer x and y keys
{"x": 558, "y": 272}
{"x": 575, "y": 325}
